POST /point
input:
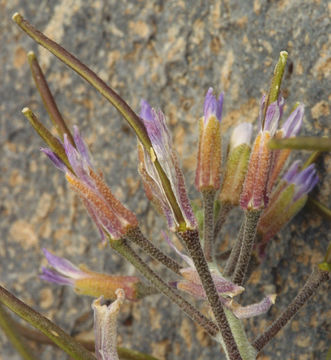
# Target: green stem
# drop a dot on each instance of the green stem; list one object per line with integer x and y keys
{"x": 317, "y": 278}
{"x": 40, "y": 322}
{"x": 48, "y": 98}
{"x": 132, "y": 118}
{"x": 311, "y": 143}
{"x": 123, "y": 248}
{"x": 251, "y": 220}
{"x": 192, "y": 242}
{"x": 312, "y": 158}
{"x": 233, "y": 259}
{"x": 8, "y": 326}
{"x": 322, "y": 209}
{"x": 208, "y": 223}
{"x": 136, "y": 236}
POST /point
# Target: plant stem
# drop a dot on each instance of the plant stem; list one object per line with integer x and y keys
{"x": 311, "y": 143}
{"x": 233, "y": 259}
{"x": 40, "y": 322}
{"x": 132, "y": 118}
{"x": 136, "y": 236}
{"x": 124, "y": 249}
{"x": 124, "y": 353}
{"x": 223, "y": 213}
{"x": 48, "y": 98}
{"x": 208, "y": 223}
{"x": 314, "y": 281}
{"x": 9, "y": 328}
{"x": 192, "y": 242}
{"x": 251, "y": 219}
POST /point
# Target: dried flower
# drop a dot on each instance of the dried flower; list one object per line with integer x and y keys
{"x": 105, "y": 327}
{"x": 208, "y": 170}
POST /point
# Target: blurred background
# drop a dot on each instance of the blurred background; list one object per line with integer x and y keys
{"x": 169, "y": 53}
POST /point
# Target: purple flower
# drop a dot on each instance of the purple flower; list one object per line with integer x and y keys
{"x": 106, "y": 211}
{"x": 208, "y": 171}
{"x": 286, "y": 201}
{"x": 213, "y": 106}
{"x": 87, "y": 282}
{"x": 162, "y": 149}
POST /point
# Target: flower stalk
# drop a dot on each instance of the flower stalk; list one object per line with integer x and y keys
{"x": 315, "y": 280}
{"x": 123, "y": 248}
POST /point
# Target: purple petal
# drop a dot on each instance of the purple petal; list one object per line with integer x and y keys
{"x": 63, "y": 266}
{"x": 292, "y": 171}
{"x": 305, "y": 181}
{"x": 244, "y": 312}
{"x": 81, "y": 146}
{"x": 213, "y": 107}
{"x": 226, "y": 287}
{"x": 59, "y": 164}
{"x": 293, "y": 124}
{"x": 272, "y": 117}
{"x": 54, "y": 277}
{"x": 146, "y": 111}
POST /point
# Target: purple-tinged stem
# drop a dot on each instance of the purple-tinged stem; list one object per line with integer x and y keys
{"x": 317, "y": 278}
{"x": 251, "y": 220}
{"x": 136, "y": 236}
{"x": 48, "y": 98}
{"x": 208, "y": 223}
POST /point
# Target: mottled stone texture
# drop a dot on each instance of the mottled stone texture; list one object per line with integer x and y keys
{"x": 168, "y": 52}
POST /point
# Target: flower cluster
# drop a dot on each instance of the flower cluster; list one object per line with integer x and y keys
{"x": 251, "y": 180}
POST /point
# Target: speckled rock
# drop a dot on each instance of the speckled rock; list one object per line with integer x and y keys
{"x": 168, "y": 52}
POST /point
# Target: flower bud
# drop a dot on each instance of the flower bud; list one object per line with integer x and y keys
{"x": 208, "y": 170}
{"x": 87, "y": 282}
{"x": 236, "y": 165}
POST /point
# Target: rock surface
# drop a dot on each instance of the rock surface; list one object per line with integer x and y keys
{"x": 168, "y": 52}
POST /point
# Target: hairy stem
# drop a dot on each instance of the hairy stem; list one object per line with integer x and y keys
{"x": 124, "y": 249}
{"x": 136, "y": 236}
{"x": 317, "y": 278}
{"x": 192, "y": 242}
{"x": 251, "y": 219}
{"x": 208, "y": 224}
{"x": 233, "y": 259}
{"x": 40, "y": 322}
{"x": 9, "y": 328}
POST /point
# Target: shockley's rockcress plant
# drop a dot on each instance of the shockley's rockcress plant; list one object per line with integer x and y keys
{"x": 269, "y": 187}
